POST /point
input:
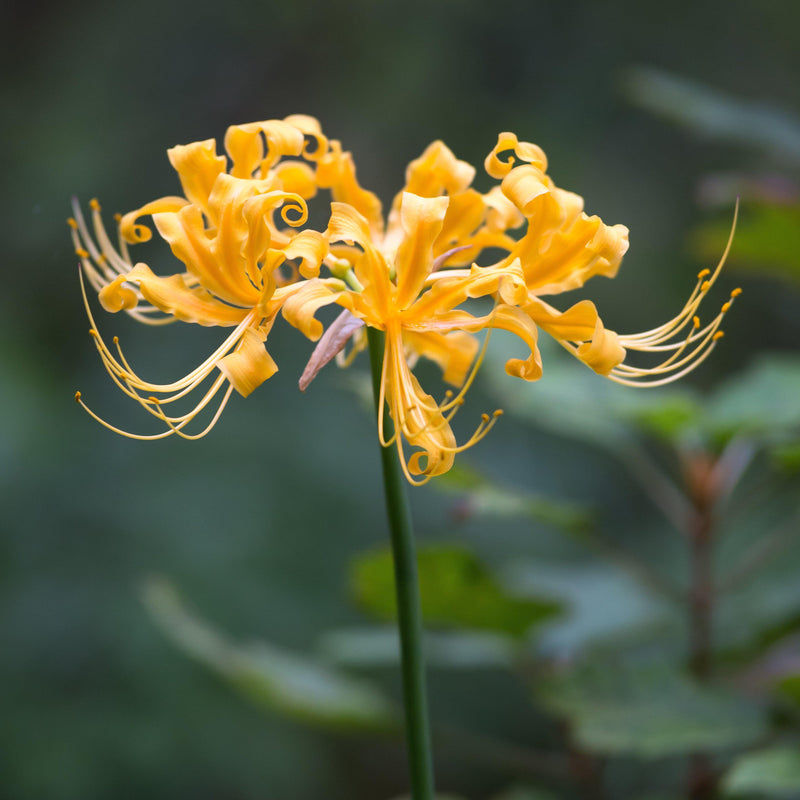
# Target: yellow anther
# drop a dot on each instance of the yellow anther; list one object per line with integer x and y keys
{"x": 101, "y": 258}
{"x": 726, "y": 306}
{"x": 485, "y": 417}
{"x": 93, "y": 332}
{"x": 718, "y": 335}
{"x": 72, "y": 222}
{"x": 116, "y": 340}
{"x": 498, "y": 412}
{"x": 736, "y": 292}
{"x": 81, "y": 253}
{"x": 696, "y": 322}
{"x": 77, "y": 397}
{"x": 703, "y": 273}
{"x": 705, "y": 286}
{"x": 94, "y": 204}
{"x": 118, "y": 217}
{"x": 153, "y": 400}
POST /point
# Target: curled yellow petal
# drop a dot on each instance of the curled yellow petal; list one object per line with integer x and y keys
{"x": 527, "y": 152}
{"x": 249, "y": 365}
{"x": 133, "y": 233}
{"x": 604, "y": 352}
{"x": 197, "y": 165}
{"x": 117, "y": 297}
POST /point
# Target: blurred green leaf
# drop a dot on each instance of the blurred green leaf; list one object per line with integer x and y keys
{"x": 647, "y": 711}
{"x": 380, "y": 647}
{"x": 714, "y": 114}
{"x": 273, "y": 678}
{"x": 486, "y": 497}
{"x": 774, "y": 772}
{"x": 764, "y": 399}
{"x": 787, "y": 456}
{"x": 767, "y": 240}
{"x": 456, "y": 588}
{"x": 603, "y": 603}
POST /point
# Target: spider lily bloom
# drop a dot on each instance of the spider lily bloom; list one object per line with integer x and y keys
{"x": 416, "y": 307}
{"x": 562, "y": 248}
{"x": 236, "y": 260}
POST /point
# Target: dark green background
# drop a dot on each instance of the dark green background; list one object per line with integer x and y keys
{"x": 257, "y": 523}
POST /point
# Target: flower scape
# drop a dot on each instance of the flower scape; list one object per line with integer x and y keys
{"x": 240, "y": 230}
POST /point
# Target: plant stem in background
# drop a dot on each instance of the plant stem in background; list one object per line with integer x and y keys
{"x": 409, "y": 613}
{"x": 702, "y": 479}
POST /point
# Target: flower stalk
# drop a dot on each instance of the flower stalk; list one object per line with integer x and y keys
{"x": 409, "y": 612}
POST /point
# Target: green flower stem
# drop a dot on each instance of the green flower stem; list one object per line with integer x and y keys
{"x": 409, "y": 614}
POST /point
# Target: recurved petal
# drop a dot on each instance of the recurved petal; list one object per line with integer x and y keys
{"x": 301, "y": 301}
{"x": 603, "y": 352}
{"x": 576, "y": 324}
{"x": 422, "y": 219}
{"x": 174, "y": 296}
{"x": 245, "y": 145}
{"x": 464, "y": 216}
{"x": 451, "y": 288}
{"x": 527, "y": 152}
{"x": 186, "y": 234}
{"x": 197, "y": 165}
{"x": 311, "y": 247}
{"x": 115, "y": 296}
{"x": 297, "y": 177}
{"x": 564, "y": 247}
{"x": 524, "y": 185}
{"x": 336, "y": 171}
{"x": 312, "y": 131}
{"x": 250, "y": 364}
{"x": 133, "y": 233}
{"x": 438, "y": 171}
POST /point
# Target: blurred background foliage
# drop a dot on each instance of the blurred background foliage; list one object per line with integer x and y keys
{"x": 560, "y": 560}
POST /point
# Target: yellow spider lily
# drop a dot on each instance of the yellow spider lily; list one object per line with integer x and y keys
{"x": 409, "y": 277}
{"x": 240, "y": 265}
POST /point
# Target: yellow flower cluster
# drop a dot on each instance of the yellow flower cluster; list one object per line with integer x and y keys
{"x": 241, "y": 231}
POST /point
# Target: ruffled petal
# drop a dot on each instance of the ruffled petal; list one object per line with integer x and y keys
{"x": 198, "y": 166}
{"x": 250, "y": 364}
{"x": 525, "y": 151}
{"x": 301, "y": 301}
{"x": 186, "y": 234}
{"x": 173, "y": 296}
{"x": 437, "y": 171}
{"x": 133, "y": 233}
{"x": 450, "y": 289}
{"x": 603, "y": 352}
{"x": 245, "y": 145}
{"x": 336, "y": 171}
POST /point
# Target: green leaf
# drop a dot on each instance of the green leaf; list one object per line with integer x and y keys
{"x": 647, "y": 711}
{"x": 714, "y": 114}
{"x": 774, "y": 772}
{"x": 380, "y": 647}
{"x": 485, "y": 497}
{"x": 762, "y": 400}
{"x": 457, "y": 590}
{"x": 273, "y": 678}
{"x": 786, "y": 456}
{"x": 767, "y": 240}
